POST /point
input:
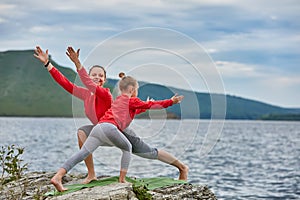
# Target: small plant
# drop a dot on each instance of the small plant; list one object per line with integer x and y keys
{"x": 11, "y": 163}
{"x": 141, "y": 191}
{"x": 39, "y": 192}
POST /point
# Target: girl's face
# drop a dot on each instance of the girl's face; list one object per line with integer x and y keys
{"x": 98, "y": 76}
{"x": 135, "y": 92}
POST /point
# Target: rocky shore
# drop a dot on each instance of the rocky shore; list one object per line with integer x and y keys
{"x": 35, "y": 185}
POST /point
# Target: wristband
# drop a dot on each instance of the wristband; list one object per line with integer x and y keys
{"x": 46, "y": 65}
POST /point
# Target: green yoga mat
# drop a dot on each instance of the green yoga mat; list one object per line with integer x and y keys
{"x": 149, "y": 183}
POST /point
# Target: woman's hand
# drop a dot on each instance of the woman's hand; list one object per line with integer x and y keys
{"x": 177, "y": 99}
{"x": 74, "y": 57}
{"x": 41, "y": 55}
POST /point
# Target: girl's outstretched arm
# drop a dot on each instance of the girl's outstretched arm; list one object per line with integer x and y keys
{"x": 142, "y": 106}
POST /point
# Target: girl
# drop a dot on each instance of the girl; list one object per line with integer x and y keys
{"x": 139, "y": 147}
{"x": 116, "y": 119}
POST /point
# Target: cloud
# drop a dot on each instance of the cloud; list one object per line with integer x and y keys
{"x": 263, "y": 39}
{"x": 281, "y": 83}
{"x": 44, "y": 29}
{"x": 262, "y": 83}
{"x": 237, "y": 70}
{"x": 6, "y": 8}
{"x": 2, "y": 20}
{"x": 278, "y": 88}
{"x": 248, "y": 39}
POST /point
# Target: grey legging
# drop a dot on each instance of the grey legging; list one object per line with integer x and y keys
{"x": 139, "y": 147}
{"x": 104, "y": 134}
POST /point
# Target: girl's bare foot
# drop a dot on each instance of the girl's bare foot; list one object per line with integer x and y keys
{"x": 123, "y": 181}
{"x": 89, "y": 179}
{"x": 58, "y": 184}
{"x": 184, "y": 173}
{"x": 122, "y": 177}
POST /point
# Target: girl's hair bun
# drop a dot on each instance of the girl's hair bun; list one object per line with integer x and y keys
{"x": 121, "y": 74}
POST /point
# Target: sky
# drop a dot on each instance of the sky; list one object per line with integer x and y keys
{"x": 245, "y": 48}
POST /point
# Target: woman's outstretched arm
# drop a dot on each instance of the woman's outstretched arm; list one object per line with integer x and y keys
{"x": 70, "y": 87}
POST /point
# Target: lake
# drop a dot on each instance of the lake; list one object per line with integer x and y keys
{"x": 235, "y": 159}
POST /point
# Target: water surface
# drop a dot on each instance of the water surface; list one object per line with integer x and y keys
{"x": 251, "y": 159}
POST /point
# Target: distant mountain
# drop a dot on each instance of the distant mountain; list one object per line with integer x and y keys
{"x": 27, "y": 89}
{"x": 198, "y": 105}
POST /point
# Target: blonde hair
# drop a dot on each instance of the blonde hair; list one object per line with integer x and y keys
{"x": 126, "y": 81}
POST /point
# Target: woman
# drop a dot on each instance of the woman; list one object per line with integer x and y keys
{"x": 95, "y": 104}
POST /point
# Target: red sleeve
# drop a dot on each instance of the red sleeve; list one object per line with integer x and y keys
{"x": 70, "y": 87}
{"x": 87, "y": 81}
{"x": 141, "y": 106}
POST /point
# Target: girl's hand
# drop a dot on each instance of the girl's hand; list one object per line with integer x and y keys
{"x": 177, "y": 99}
{"x": 150, "y": 99}
{"x": 41, "y": 55}
{"x": 74, "y": 57}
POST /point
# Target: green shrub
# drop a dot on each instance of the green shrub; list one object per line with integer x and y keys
{"x": 11, "y": 163}
{"x": 141, "y": 191}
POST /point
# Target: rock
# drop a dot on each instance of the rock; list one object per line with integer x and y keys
{"x": 110, "y": 192}
{"x": 183, "y": 191}
{"x": 35, "y": 184}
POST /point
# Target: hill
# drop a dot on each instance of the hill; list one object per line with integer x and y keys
{"x": 27, "y": 89}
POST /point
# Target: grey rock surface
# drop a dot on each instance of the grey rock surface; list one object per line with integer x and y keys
{"x": 35, "y": 184}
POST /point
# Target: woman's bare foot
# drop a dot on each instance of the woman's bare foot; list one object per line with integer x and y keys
{"x": 58, "y": 184}
{"x": 89, "y": 179}
{"x": 184, "y": 173}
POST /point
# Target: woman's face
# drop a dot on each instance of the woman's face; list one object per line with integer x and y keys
{"x": 98, "y": 76}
